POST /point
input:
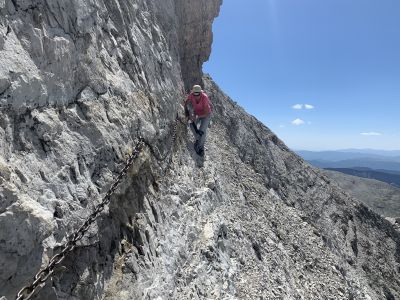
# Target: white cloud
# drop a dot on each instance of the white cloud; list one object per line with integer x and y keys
{"x": 372, "y": 133}
{"x": 303, "y": 106}
{"x": 298, "y": 122}
{"x": 297, "y": 106}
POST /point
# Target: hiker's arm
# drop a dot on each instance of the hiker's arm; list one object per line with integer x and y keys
{"x": 206, "y": 106}
{"x": 188, "y": 113}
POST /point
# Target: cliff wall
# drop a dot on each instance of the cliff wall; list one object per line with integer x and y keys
{"x": 79, "y": 81}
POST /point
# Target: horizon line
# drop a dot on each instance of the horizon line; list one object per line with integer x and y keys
{"x": 347, "y": 149}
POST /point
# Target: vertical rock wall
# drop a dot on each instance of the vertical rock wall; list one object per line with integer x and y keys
{"x": 195, "y": 36}
{"x": 79, "y": 81}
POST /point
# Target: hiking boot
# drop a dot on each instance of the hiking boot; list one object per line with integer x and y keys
{"x": 200, "y": 152}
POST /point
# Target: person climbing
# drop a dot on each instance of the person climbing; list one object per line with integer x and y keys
{"x": 198, "y": 111}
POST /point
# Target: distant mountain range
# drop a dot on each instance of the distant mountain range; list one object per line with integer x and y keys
{"x": 372, "y": 176}
{"x": 347, "y": 155}
{"x": 367, "y": 163}
{"x": 391, "y": 178}
{"x": 385, "y": 153}
{"x": 374, "y": 164}
{"x": 380, "y": 196}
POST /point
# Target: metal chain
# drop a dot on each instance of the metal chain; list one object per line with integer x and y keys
{"x": 41, "y": 277}
{"x": 154, "y": 149}
{"x": 173, "y": 139}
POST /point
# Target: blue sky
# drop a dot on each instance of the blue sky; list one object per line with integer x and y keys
{"x": 340, "y": 57}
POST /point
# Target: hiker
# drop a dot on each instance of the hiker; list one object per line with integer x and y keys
{"x": 198, "y": 111}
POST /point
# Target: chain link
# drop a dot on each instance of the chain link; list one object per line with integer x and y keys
{"x": 155, "y": 150}
{"x": 41, "y": 277}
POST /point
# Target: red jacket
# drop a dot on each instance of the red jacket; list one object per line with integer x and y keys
{"x": 201, "y": 107}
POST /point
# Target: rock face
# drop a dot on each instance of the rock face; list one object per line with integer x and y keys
{"x": 195, "y": 18}
{"x": 79, "y": 82}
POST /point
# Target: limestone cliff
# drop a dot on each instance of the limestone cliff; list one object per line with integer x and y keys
{"x": 79, "y": 82}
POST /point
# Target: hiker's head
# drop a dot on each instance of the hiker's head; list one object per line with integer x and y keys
{"x": 196, "y": 90}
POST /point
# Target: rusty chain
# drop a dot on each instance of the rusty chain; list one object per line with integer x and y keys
{"x": 41, "y": 277}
